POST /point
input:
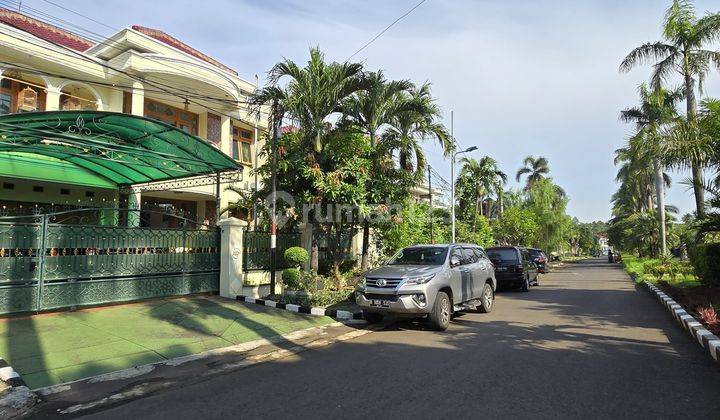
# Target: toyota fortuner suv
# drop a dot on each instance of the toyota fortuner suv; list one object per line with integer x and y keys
{"x": 429, "y": 280}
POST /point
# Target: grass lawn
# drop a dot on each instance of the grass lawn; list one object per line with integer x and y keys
{"x": 48, "y": 349}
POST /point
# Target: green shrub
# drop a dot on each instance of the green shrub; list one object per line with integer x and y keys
{"x": 292, "y": 278}
{"x": 705, "y": 259}
{"x": 296, "y": 256}
{"x": 325, "y": 267}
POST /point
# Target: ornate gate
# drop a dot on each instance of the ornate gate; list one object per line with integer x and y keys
{"x": 86, "y": 257}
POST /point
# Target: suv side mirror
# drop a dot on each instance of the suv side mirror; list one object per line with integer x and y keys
{"x": 454, "y": 261}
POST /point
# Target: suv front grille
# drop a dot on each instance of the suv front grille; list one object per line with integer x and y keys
{"x": 391, "y": 298}
{"x": 389, "y": 283}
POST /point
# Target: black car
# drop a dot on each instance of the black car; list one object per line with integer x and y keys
{"x": 513, "y": 267}
{"x": 539, "y": 258}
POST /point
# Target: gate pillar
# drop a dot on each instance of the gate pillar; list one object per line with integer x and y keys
{"x": 231, "y": 256}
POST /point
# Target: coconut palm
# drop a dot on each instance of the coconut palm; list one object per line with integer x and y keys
{"x": 369, "y": 110}
{"x": 683, "y": 53}
{"x": 313, "y": 93}
{"x": 484, "y": 178}
{"x": 656, "y": 108}
{"x": 407, "y": 130}
{"x": 311, "y": 96}
{"x": 535, "y": 168}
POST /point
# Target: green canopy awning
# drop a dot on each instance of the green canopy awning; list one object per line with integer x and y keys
{"x": 124, "y": 149}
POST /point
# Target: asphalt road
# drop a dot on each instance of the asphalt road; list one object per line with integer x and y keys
{"x": 584, "y": 344}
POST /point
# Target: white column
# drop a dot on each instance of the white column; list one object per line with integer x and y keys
{"x": 231, "y": 255}
{"x": 225, "y": 135}
{"x": 52, "y": 99}
{"x": 202, "y": 125}
{"x": 138, "y": 99}
{"x": 200, "y": 209}
{"x": 134, "y": 200}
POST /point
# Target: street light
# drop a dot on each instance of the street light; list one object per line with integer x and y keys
{"x": 452, "y": 187}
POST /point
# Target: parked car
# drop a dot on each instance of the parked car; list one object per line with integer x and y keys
{"x": 539, "y": 258}
{"x": 514, "y": 267}
{"x": 429, "y": 280}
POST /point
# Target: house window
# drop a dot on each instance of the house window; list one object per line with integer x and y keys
{"x": 38, "y": 189}
{"x": 8, "y": 186}
{"x": 214, "y": 128}
{"x": 89, "y": 194}
{"x": 184, "y": 120}
{"x": 64, "y": 191}
{"x": 20, "y": 97}
{"x": 242, "y": 142}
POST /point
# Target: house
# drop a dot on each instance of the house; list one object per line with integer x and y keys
{"x": 139, "y": 71}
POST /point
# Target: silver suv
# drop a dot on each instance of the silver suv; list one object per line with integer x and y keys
{"x": 429, "y": 280}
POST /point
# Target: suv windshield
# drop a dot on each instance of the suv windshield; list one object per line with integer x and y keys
{"x": 420, "y": 255}
{"x": 502, "y": 254}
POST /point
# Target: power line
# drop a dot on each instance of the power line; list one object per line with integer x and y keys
{"x": 385, "y": 30}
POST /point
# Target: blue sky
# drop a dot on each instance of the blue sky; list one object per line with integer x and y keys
{"x": 523, "y": 77}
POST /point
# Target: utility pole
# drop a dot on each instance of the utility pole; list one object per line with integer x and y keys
{"x": 452, "y": 179}
{"x": 452, "y": 176}
{"x": 273, "y": 226}
{"x": 432, "y": 239}
{"x": 255, "y": 162}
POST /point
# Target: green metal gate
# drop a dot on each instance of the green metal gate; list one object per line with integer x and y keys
{"x": 48, "y": 263}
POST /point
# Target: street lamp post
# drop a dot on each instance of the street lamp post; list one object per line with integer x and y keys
{"x": 452, "y": 187}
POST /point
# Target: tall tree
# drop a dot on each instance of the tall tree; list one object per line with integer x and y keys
{"x": 369, "y": 110}
{"x": 682, "y": 52}
{"x": 656, "y": 109}
{"x": 407, "y": 130}
{"x": 311, "y": 96}
{"x": 535, "y": 168}
{"x": 480, "y": 178}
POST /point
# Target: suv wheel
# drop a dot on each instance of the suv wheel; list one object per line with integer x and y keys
{"x": 486, "y": 299}
{"x": 441, "y": 312}
{"x": 372, "y": 317}
{"x": 526, "y": 285}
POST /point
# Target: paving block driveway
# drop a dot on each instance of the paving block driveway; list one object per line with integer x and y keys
{"x": 49, "y": 349}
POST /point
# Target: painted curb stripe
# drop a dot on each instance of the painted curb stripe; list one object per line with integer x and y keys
{"x": 703, "y": 336}
{"x": 332, "y": 313}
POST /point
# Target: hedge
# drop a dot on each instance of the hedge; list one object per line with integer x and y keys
{"x": 705, "y": 259}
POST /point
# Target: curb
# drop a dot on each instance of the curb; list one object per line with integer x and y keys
{"x": 332, "y": 313}
{"x": 697, "y": 330}
{"x": 9, "y": 375}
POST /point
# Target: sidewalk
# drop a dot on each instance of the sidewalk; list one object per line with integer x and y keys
{"x": 49, "y": 349}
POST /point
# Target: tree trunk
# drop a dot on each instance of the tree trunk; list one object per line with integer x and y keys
{"x": 314, "y": 263}
{"x": 365, "y": 261}
{"x": 660, "y": 192}
{"x": 691, "y": 104}
{"x": 500, "y": 202}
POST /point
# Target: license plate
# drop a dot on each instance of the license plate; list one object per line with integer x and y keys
{"x": 501, "y": 268}
{"x": 380, "y": 303}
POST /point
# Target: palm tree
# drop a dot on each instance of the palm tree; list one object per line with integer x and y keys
{"x": 369, "y": 110}
{"x": 682, "y": 53}
{"x": 536, "y": 168}
{"x": 484, "y": 178}
{"x": 407, "y": 129}
{"x": 657, "y": 108}
{"x": 312, "y": 94}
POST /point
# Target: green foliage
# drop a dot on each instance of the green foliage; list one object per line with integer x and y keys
{"x": 705, "y": 258}
{"x": 481, "y": 234}
{"x": 291, "y": 278}
{"x": 296, "y": 256}
{"x": 411, "y": 225}
{"x": 322, "y": 298}
{"x": 548, "y": 204}
{"x": 671, "y": 270}
{"x": 517, "y": 226}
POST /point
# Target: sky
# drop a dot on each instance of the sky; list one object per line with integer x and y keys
{"x": 522, "y": 77}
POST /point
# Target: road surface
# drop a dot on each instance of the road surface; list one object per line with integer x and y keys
{"x": 584, "y": 344}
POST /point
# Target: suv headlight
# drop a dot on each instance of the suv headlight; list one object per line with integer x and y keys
{"x": 420, "y": 279}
